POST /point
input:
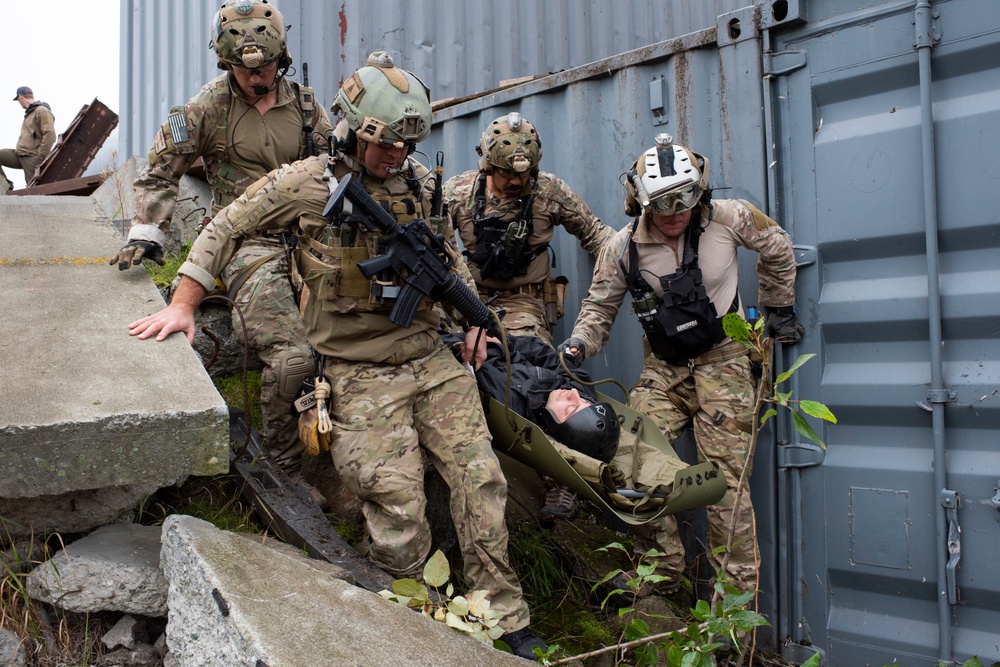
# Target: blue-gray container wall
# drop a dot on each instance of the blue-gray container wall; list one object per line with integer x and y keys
{"x": 456, "y": 47}
{"x": 869, "y": 130}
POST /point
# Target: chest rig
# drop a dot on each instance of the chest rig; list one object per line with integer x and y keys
{"x": 329, "y": 265}
{"x": 502, "y": 248}
{"x": 228, "y": 182}
{"x": 683, "y": 323}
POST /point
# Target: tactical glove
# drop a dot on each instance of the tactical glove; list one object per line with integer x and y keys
{"x": 782, "y": 326}
{"x": 133, "y": 253}
{"x": 574, "y": 358}
{"x": 310, "y": 435}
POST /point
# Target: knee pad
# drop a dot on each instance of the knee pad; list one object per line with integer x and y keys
{"x": 292, "y": 371}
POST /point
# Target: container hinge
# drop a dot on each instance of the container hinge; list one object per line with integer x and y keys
{"x": 784, "y": 62}
{"x": 927, "y": 27}
{"x": 799, "y": 455}
{"x": 950, "y": 503}
{"x": 805, "y": 255}
{"x": 941, "y": 395}
{"x": 996, "y": 500}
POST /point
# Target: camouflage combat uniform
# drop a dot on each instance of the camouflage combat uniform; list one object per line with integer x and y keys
{"x": 522, "y": 296}
{"x": 398, "y": 395}
{"x": 714, "y": 391}
{"x": 238, "y": 146}
{"x": 38, "y": 134}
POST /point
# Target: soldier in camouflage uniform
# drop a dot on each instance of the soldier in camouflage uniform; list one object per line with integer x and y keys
{"x": 242, "y": 124}
{"x": 506, "y": 214}
{"x": 398, "y": 395}
{"x": 684, "y": 244}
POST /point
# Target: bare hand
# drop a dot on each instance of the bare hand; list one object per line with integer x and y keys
{"x": 474, "y": 346}
{"x": 165, "y": 322}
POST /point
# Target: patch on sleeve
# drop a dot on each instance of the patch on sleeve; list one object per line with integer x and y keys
{"x": 178, "y": 128}
{"x": 760, "y": 220}
{"x": 160, "y": 142}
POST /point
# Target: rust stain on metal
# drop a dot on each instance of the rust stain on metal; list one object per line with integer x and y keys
{"x": 343, "y": 27}
{"x": 682, "y": 84}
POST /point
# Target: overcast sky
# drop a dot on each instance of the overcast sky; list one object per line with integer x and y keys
{"x": 66, "y": 51}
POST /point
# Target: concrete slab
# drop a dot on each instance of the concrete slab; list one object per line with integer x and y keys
{"x": 114, "y": 568}
{"x": 84, "y": 407}
{"x": 235, "y": 602}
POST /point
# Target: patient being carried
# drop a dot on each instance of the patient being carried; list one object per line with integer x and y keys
{"x": 627, "y": 472}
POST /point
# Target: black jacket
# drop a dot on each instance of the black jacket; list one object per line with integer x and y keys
{"x": 535, "y": 373}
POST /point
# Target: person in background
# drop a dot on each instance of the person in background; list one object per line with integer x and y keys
{"x": 506, "y": 214}
{"x": 38, "y": 134}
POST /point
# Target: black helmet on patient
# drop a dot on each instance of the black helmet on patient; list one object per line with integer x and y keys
{"x": 592, "y": 431}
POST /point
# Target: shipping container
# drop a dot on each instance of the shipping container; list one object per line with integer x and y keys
{"x": 871, "y": 131}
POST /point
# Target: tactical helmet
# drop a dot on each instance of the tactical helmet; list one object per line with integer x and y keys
{"x": 249, "y": 33}
{"x": 592, "y": 431}
{"x": 510, "y": 143}
{"x": 667, "y": 179}
{"x": 385, "y": 104}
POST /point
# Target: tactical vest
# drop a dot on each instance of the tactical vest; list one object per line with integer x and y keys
{"x": 223, "y": 177}
{"x": 330, "y": 266}
{"x": 502, "y": 248}
{"x": 683, "y": 323}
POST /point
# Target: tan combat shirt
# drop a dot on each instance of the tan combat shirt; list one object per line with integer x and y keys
{"x": 236, "y": 144}
{"x": 734, "y": 224}
{"x": 294, "y": 197}
{"x": 555, "y": 204}
{"x": 38, "y": 132}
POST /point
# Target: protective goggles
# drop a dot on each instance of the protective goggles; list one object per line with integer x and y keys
{"x": 673, "y": 203}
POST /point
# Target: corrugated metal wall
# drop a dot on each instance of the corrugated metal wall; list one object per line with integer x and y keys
{"x": 458, "y": 48}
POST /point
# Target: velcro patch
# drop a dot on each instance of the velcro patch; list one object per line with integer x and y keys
{"x": 354, "y": 89}
{"x": 760, "y": 220}
{"x": 160, "y": 142}
{"x": 178, "y": 128}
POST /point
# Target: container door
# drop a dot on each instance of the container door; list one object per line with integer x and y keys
{"x": 862, "y": 533}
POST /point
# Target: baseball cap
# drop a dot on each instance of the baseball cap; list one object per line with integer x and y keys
{"x": 23, "y": 90}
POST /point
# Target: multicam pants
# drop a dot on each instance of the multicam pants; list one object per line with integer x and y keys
{"x": 277, "y": 335}
{"x": 716, "y": 397}
{"x": 525, "y": 316}
{"x": 387, "y": 418}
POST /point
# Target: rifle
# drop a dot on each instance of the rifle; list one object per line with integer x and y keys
{"x": 307, "y": 122}
{"x": 415, "y": 254}
{"x": 437, "y": 203}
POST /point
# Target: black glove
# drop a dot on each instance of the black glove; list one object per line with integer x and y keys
{"x": 574, "y": 358}
{"x": 782, "y": 326}
{"x": 133, "y": 252}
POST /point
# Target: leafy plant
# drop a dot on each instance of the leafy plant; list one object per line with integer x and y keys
{"x": 694, "y": 646}
{"x": 164, "y": 275}
{"x": 974, "y": 661}
{"x": 751, "y": 337}
{"x": 467, "y": 613}
{"x": 645, "y": 569}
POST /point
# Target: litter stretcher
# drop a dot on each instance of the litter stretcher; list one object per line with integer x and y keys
{"x": 648, "y": 481}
